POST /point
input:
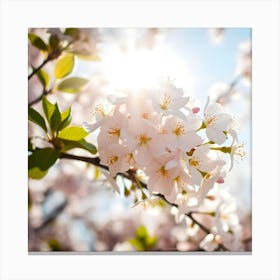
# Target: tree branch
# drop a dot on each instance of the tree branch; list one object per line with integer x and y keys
{"x": 95, "y": 161}
{"x": 39, "y": 67}
{"x": 132, "y": 176}
{"x": 36, "y": 100}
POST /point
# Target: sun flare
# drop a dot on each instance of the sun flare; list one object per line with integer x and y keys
{"x": 141, "y": 68}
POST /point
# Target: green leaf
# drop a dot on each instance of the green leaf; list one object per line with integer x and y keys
{"x": 36, "y": 173}
{"x": 136, "y": 244}
{"x": 37, "y": 42}
{"x": 54, "y": 245}
{"x": 43, "y": 77}
{"x": 73, "y": 32}
{"x": 143, "y": 240}
{"x": 53, "y": 42}
{"x": 72, "y": 85}
{"x": 55, "y": 119}
{"x": 89, "y": 57}
{"x": 36, "y": 118}
{"x": 82, "y": 144}
{"x": 40, "y": 161}
{"x": 48, "y": 108}
{"x": 141, "y": 231}
{"x": 65, "y": 118}
{"x": 30, "y": 145}
{"x": 64, "y": 66}
{"x": 73, "y": 133}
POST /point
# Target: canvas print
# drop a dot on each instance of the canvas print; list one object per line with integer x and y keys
{"x": 139, "y": 140}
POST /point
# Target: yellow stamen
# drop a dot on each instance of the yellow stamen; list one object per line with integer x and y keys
{"x": 195, "y": 163}
{"x": 111, "y": 160}
{"x": 210, "y": 120}
{"x": 162, "y": 171}
{"x": 100, "y": 109}
{"x": 179, "y": 129}
{"x": 143, "y": 139}
{"x": 165, "y": 103}
{"x": 238, "y": 150}
{"x": 114, "y": 131}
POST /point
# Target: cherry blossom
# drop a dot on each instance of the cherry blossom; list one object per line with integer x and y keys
{"x": 169, "y": 99}
{"x": 181, "y": 134}
{"x": 162, "y": 177}
{"x": 217, "y": 122}
{"x": 116, "y": 157}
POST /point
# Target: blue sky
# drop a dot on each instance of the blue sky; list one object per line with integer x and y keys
{"x": 210, "y": 62}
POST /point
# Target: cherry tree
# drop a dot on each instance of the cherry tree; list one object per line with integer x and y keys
{"x": 151, "y": 146}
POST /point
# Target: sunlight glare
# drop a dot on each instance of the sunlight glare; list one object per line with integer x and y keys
{"x": 143, "y": 68}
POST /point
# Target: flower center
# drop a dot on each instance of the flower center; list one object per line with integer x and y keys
{"x": 165, "y": 103}
{"x": 143, "y": 139}
{"x": 130, "y": 159}
{"x": 111, "y": 160}
{"x": 210, "y": 120}
{"x": 146, "y": 115}
{"x": 114, "y": 131}
{"x": 162, "y": 171}
{"x": 179, "y": 129}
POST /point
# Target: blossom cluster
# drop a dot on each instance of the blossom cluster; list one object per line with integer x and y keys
{"x": 159, "y": 132}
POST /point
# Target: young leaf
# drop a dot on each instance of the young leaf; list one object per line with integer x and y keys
{"x": 43, "y": 77}
{"x": 72, "y": 85}
{"x": 40, "y": 161}
{"x": 82, "y": 144}
{"x": 55, "y": 119}
{"x": 53, "y": 42}
{"x": 48, "y": 108}
{"x": 73, "y": 133}
{"x": 73, "y": 32}
{"x": 89, "y": 57}
{"x": 36, "y": 118}
{"x": 37, "y": 42}
{"x": 30, "y": 145}
{"x": 64, "y": 66}
{"x": 36, "y": 173}
{"x": 65, "y": 118}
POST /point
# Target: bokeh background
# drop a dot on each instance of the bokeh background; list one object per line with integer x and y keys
{"x": 74, "y": 208}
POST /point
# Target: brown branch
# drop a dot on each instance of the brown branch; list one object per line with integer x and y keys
{"x": 130, "y": 174}
{"x": 36, "y": 100}
{"x": 95, "y": 161}
{"x": 49, "y": 58}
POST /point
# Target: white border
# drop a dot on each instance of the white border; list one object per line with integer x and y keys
{"x": 262, "y": 16}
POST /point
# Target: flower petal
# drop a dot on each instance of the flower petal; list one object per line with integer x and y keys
{"x": 216, "y": 135}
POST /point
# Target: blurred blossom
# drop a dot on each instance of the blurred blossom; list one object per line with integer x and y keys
{"x": 216, "y": 35}
{"x": 244, "y": 62}
{"x": 220, "y": 92}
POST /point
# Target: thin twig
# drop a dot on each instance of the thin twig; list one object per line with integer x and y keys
{"x": 39, "y": 67}
{"x": 95, "y": 161}
{"x": 36, "y": 100}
